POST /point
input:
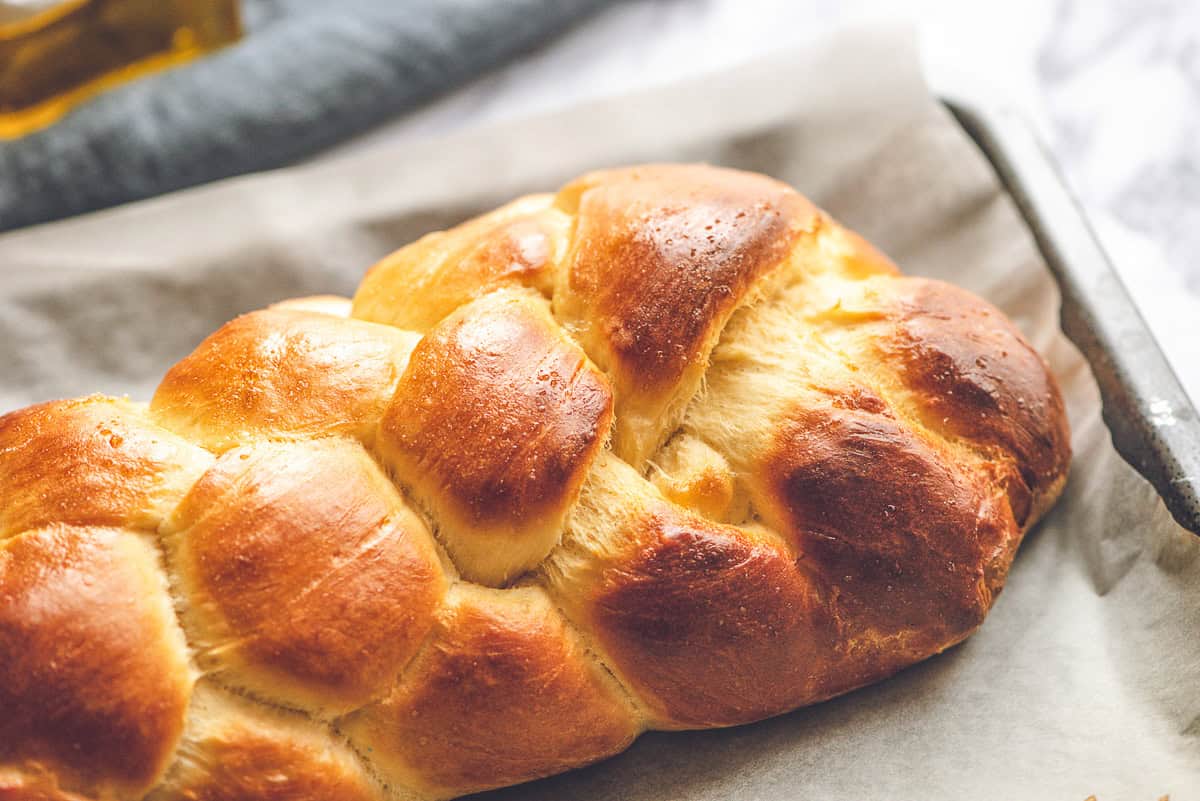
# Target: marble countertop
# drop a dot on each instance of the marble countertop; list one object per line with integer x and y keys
{"x": 1112, "y": 87}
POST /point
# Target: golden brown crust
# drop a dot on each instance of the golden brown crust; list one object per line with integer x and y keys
{"x": 503, "y": 693}
{"x": 662, "y": 255}
{"x": 417, "y": 286}
{"x": 820, "y": 473}
{"x": 283, "y": 373}
{"x": 493, "y": 427}
{"x": 709, "y": 625}
{"x": 959, "y": 368}
{"x": 304, "y": 574}
{"x": 969, "y": 368}
{"x": 852, "y": 256}
{"x": 903, "y": 537}
{"x": 235, "y": 750}
{"x": 94, "y": 679}
{"x": 93, "y": 461}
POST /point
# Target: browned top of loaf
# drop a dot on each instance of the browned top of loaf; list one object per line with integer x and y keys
{"x": 94, "y": 679}
{"x": 667, "y": 449}
{"x": 660, "y": 258}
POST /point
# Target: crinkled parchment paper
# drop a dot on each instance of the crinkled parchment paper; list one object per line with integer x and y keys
{"x": 1086, "y": 676}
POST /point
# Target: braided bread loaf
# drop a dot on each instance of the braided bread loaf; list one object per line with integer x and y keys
{"x": 669, "y": 449}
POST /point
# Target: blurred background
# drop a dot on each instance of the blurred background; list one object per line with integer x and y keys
{"x": 215, "y": 88}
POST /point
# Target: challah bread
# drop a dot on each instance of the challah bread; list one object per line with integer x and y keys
{"x": 668, "y": 449}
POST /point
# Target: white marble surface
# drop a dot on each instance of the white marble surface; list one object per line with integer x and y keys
{"x": 1113, "y": 87}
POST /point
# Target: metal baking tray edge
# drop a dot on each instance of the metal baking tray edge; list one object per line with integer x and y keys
{"x": 1153, "y": 423}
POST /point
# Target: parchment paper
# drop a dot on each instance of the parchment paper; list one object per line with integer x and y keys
{"x": 1085, "y": 678}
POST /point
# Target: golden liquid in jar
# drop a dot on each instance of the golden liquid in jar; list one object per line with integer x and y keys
{"x": 54, "y": 55}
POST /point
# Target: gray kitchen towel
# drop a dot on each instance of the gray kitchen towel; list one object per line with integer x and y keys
{"x": 307, "y": 75}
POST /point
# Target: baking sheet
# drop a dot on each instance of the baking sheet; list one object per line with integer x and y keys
{"x": 1153, "y": 423}
{"x": 1084, "y": 680}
